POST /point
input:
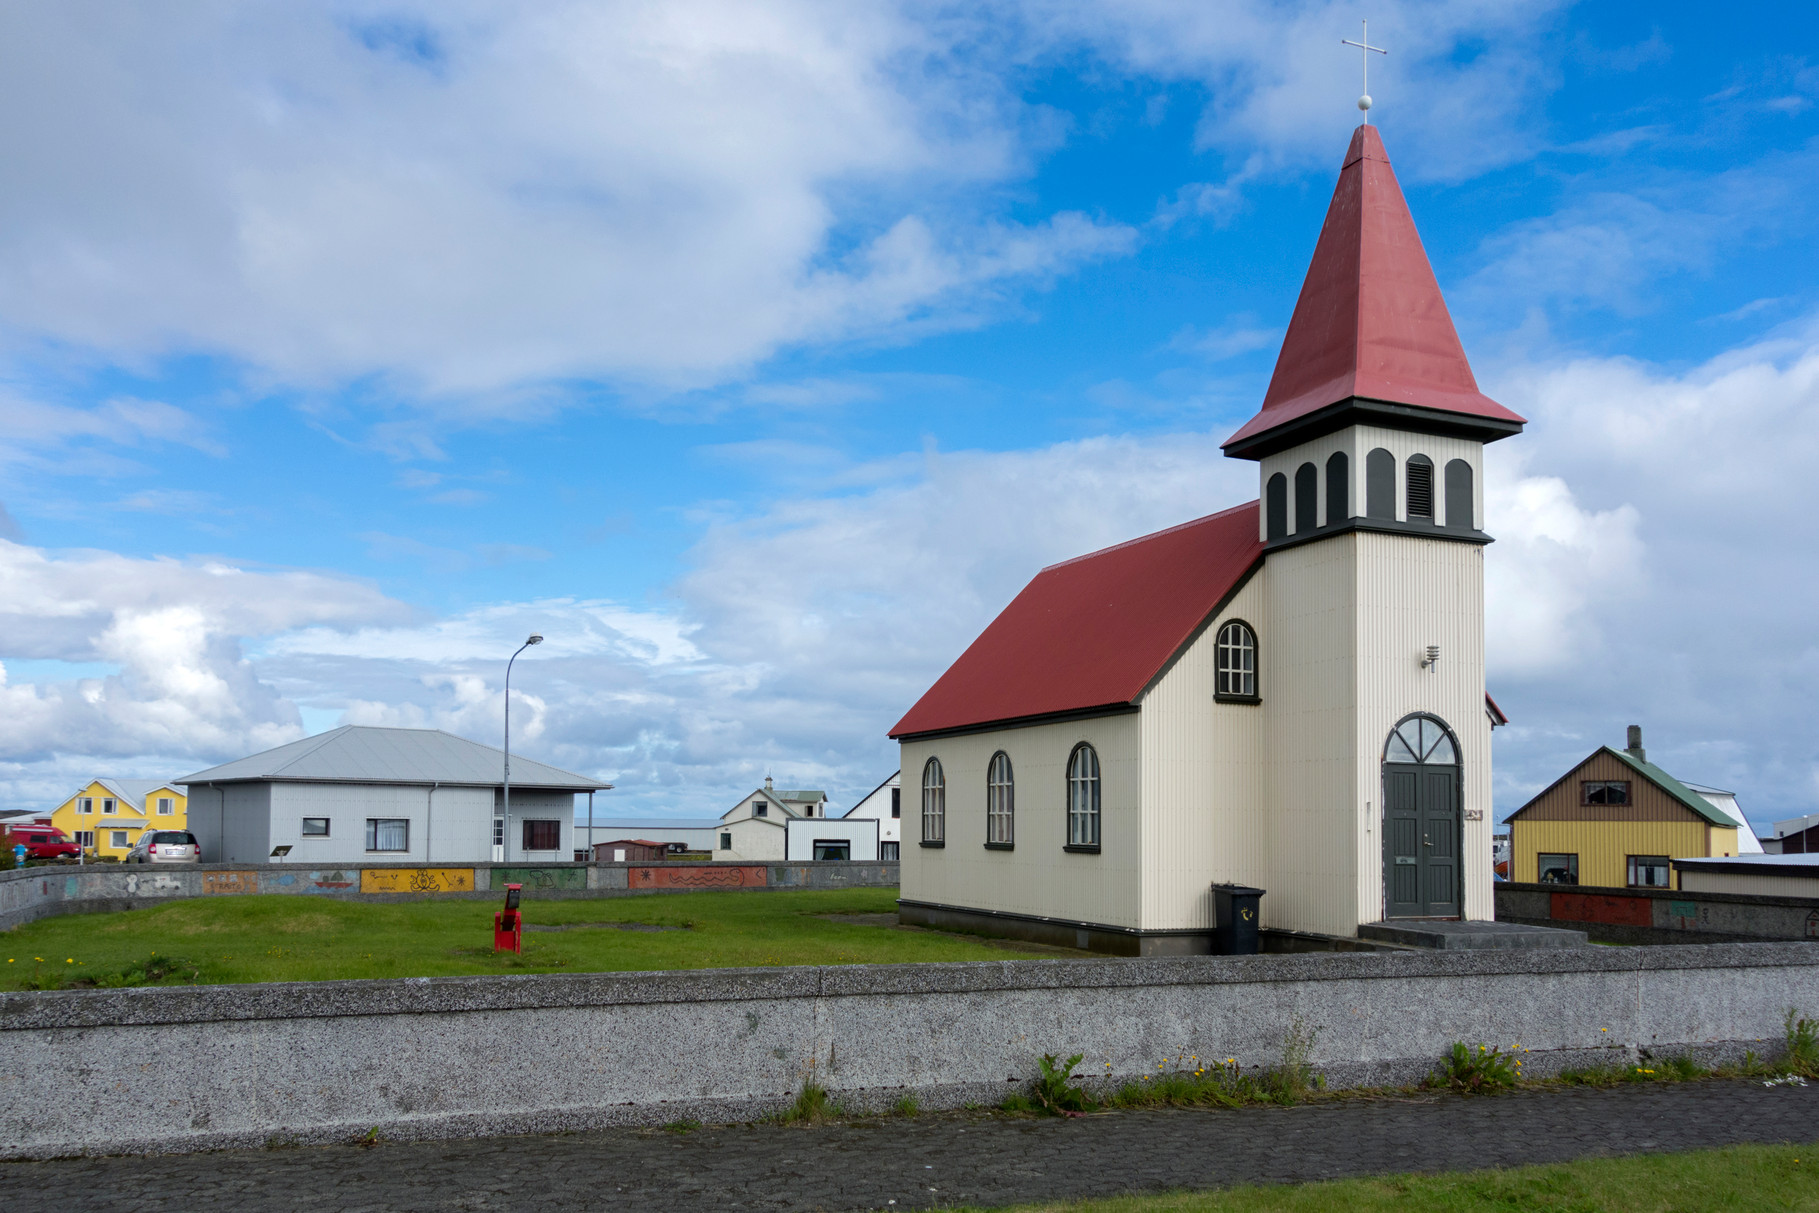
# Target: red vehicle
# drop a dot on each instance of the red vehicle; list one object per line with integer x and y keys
{"x": 41, "y": 842}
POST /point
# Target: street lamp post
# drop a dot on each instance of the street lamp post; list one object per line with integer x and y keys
{"x": 503, "y": 820}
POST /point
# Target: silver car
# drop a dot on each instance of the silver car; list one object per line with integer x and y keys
{"x": 165, "y": 846}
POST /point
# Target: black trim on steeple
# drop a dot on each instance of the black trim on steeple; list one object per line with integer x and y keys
{"x": 1356, "y": 410}
{"x": 1419, "y": 530}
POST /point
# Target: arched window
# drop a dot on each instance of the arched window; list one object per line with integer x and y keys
{"x": 1380, "y": 485}
{"x": 1421, "y": 740}
{"x": 1083, "y": 798}
{"x": 1420, "y": 488}
{"x": 1275, "y": 495}
{"x": 1237, "y": 662}
{"x": 1000, "y": 802}
{"x": 934, "y": 804}
{"x": 1459, "y": 495}
{"x": 1338, "y": 488}
{"x": 1307, "y": 498}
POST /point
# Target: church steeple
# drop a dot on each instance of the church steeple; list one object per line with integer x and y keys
{"x": 1370, "y": 339}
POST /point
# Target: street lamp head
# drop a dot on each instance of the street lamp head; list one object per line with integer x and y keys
{"x": 536, "y": 638}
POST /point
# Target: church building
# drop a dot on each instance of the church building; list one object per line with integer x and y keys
{"x": 1287, "y": 694}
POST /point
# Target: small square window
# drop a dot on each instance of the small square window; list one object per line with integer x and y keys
{"x": 117, "y": 838}
{"x": 726, "y": 842}
{"x": 86, "y": 805}
{"x": 315, "y": 827}
{"x": 388, "y": 834}
{"x": 1557, "y": 869}
{"x": 542, "y": 835}
{"x": 760, "y": 809}
{"x": 1649, "y": 872}
{"x": 108, "y": 805}
{"x": 167, "y": 806}
{"x": 1604, "y": 791}
{"x": 85, "y": 838}
{"x": 896, "y": 802}
{"x": 887, "y": 852}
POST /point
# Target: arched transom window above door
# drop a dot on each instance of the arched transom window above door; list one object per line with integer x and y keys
{"x": 1421, "y": 740}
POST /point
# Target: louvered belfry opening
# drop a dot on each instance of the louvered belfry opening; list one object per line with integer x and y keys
{"x": 1420, "y": 489}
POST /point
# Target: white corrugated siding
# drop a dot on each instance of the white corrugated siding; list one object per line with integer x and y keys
{"x": 1311, "y": 740}
{"x": 1203, "y": 778}
{"x": 1037, "y": 877}
{"x": 1415, "y": 592}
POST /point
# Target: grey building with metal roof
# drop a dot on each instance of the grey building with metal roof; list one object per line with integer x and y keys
{"x": 360, "y": 794}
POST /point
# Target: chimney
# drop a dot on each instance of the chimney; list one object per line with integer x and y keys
{"x": 1635, "y": 749}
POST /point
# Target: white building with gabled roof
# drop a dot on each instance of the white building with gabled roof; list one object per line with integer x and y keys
{"x": 757, "y": 827}
{"x": 363, "y": 794}
{"x": 1287, "y": 694}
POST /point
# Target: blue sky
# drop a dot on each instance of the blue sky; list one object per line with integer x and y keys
{"x": 757, "y": 353}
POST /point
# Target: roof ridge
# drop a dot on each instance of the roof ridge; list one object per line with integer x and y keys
{"x": 1179, "y": 526}
{"x": 321, "y": 739}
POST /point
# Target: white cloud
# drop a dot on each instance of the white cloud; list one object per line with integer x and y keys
{"x": 1673, "y": 590}
{"x": 172, "y": 630}
{"x": 477, "y": 202}
{"x": 474, "y": 196}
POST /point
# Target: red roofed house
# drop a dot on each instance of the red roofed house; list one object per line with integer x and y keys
{"x": 1287, "y": 694}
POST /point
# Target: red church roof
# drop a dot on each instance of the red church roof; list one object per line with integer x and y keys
{"x": 1095, "y": 631}
{"x": 1370, "y": 321}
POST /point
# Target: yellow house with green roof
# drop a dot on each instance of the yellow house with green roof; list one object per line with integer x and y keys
{"x": 106, "y": 817}
{"x": 1618, "y": 821}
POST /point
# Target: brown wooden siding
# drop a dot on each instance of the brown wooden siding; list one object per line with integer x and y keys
{"x": 1647, "y": 802}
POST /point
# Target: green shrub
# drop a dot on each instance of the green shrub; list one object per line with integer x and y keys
{"x": 907, "y": 1106}
{"x": 1476, "y": 1072}
{"x": 1055, "y": 1092}
{"x": 812, "y": 1106}
{"x": 1802, "y": 1046}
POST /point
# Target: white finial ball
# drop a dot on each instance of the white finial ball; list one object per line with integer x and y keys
{"x": 1364, "y": 102}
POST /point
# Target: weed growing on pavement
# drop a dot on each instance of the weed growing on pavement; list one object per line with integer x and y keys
{"x": 906, "y": 1106}
{"x": 1476, "y": 1071}
{"x": 1802, "y": 1045}
{"x": 812, "y": 1107}
{"x": 686, "y": 1125}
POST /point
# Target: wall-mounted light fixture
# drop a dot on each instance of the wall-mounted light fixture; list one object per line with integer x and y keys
{"x": 1432, "y": 660}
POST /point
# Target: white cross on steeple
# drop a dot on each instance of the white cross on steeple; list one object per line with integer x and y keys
{"x": 1364, "y": 53}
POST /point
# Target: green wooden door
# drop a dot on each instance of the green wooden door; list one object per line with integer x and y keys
{"x": 1421, "y": 822}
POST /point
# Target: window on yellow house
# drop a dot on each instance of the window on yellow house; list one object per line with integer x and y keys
{"x": 85, "y": 805}
{"x": 85, "y": 838}
{"x": 166, "y": 806}
{"x": 118, "y": 839}
{"x": 108, "y": 805}
{"x": 1648, "y": 872}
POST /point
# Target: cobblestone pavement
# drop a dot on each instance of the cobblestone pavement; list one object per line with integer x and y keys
{"x": 931, "y": 1160}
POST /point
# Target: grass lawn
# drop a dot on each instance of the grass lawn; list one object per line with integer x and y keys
{"x": 1740, "y": 1179}
{"x": 290, "y": 937}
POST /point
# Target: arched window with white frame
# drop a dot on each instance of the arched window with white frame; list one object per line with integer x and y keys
{"x": 1083, "y": 799}
{"x": 934, "y": 804}
{"x": 1000, "y": 802}
{"x": 1236, "y": 675}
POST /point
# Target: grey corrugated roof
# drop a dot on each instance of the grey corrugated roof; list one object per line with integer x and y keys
{"x": 363, "y": 754}
{"x": 650, "y": 823}
{"x": 133, "y": 791}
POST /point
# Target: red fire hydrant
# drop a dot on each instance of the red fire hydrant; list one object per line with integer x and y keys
{"x": 508, "y": 926}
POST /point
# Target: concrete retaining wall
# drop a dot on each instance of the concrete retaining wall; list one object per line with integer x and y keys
{"x": 172, "y": 1069}
{"x": 33, "y": 893}
{"x": 1635, "y": 916}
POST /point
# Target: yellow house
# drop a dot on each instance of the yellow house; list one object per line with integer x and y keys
{"x": 106, "y": 817}
{"x": 1615, "y": 821}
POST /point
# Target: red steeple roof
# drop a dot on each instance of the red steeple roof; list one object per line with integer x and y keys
{"x": 1370, "y": 322}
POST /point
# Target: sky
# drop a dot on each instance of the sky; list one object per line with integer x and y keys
{"x": 756, "y": 354}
